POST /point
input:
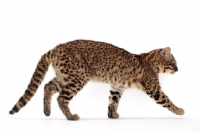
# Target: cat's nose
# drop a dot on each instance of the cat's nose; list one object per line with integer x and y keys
{"x": 176, "y": 69}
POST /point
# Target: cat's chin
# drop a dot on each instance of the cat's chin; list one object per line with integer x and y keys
{"x": 169, "y": 73}
{"x": 172, "y": 72}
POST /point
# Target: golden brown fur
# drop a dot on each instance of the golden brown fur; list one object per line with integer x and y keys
{"x": 80, "y": 61}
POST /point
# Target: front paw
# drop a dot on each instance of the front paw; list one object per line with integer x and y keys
{"x": 180, "y": 111}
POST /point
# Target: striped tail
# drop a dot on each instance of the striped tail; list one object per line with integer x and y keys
{"x": 35, "y": 82}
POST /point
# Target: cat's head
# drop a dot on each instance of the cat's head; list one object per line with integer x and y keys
{"x": 165, "y": 61}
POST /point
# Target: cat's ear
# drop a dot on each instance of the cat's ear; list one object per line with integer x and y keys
{"x": 166, "y": 52}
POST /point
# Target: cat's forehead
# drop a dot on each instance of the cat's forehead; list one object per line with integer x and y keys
{"x": 173, "y": 58}
{"x": 170, "y": 58}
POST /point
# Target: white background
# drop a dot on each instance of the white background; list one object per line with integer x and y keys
{"x": 28, "y": 29}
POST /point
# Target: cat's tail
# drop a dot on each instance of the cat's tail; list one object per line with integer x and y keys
{"x": 35, "y": 82}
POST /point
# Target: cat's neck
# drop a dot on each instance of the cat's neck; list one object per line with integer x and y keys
{"x": 147, "y": 59}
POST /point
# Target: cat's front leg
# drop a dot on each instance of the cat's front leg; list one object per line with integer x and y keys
{"x": 164, "y": 100}
{"x": 155, "y": 92}
{"x": 114, "y": 98}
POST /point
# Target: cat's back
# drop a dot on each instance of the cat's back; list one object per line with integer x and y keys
{"x": 94, "y": 49}
{"x": 99, "y": 60}
{"x": 95, "y": 55}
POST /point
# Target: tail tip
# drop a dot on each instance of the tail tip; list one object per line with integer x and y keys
{"x": 11, "y": 112}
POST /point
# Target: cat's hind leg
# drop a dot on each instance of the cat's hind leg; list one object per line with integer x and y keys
{"x": 114, "y": 98}
{"x": 49, "y": 90}
{"x": 72, "y": 85}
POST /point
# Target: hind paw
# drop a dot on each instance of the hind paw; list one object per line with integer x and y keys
{"x": 74, "y": 117}
{"x": 112, "y": 112}
{"x": 47, "y": 112}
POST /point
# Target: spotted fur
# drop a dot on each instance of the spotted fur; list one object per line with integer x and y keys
{"x": 80, "y": 61}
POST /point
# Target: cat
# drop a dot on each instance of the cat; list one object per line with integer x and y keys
{"x": 77, "y": 62}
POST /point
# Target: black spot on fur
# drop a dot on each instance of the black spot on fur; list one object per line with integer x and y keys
{"x": 73, "y": 81}
{"x": 156, "y": 96}
{"x": 28, "y": 93}
{"x": 107, "y": 68}
{"x": 167, "y": 106}
{"x": 11, "y": 112}
{"x": 115, "y": 99}
{"x": 65, "y": 93}
{"x": 33, "y": 85}
{"x": 143, "y": 84}
{"x": 66, "y": 79}
{"x": 62, "y": 71}
{"x": 114, "y": 93}
{"x": 48, "y": 54}
{"x": 22, "y": 101}
{"x": 15, "y": 108}
{"x": 72, "y": 85}
{"x": 67, "y": 98}
{"x": 38, "y": 75}
{"x": 40, "y": 70}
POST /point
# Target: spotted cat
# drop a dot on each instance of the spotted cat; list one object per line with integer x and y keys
{"x": 80, "y": 61}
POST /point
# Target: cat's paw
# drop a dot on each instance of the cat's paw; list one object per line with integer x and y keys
{"x": 47, "y": 112}
{"x": 112, "y": 112}
{"x": 113, "y": 115}
{"x": 180, "y": 111}
{"x": 74, "y": 117}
